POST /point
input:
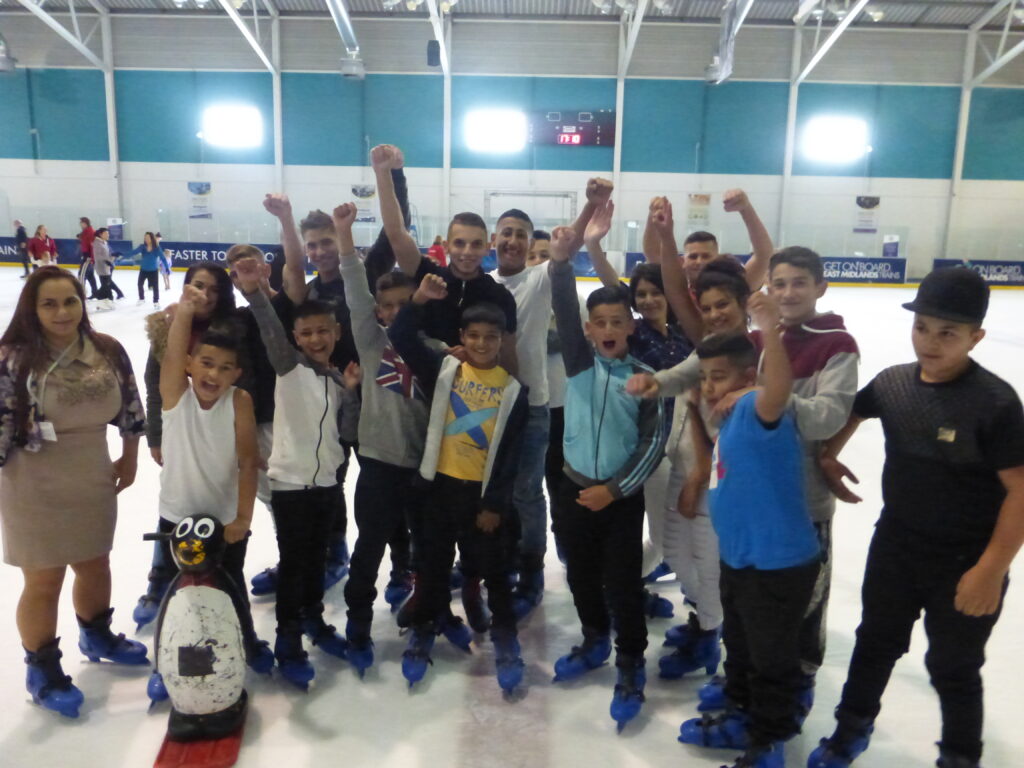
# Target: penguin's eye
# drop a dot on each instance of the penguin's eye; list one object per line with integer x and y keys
{"x": 205, "y": 528}
{"x": 184, "y": 528}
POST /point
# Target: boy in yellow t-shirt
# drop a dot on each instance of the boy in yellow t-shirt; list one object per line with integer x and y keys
{"x": 477, "y": 415}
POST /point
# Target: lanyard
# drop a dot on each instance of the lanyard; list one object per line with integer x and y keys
{"x": 40, "y": 398}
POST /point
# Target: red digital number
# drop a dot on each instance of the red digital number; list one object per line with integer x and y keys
{"x": 569, "y": 138}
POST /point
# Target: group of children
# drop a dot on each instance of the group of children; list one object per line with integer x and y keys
{"x": 457, "y": 389}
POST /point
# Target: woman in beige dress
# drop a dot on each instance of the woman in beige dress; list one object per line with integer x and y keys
{"x": 61, "y": 384}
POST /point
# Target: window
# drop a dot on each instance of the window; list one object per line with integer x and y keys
{"x": 232, "y": 126}
{"x": 835, "y": 139}
{"x": 495, "y": 131}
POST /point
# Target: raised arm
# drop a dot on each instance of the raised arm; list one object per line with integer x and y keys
{"x": 407, "y": 253}
{"x": 777, "y": 377}
{"x": 294, "y": 274}
{"x": 576, "y": 350}
{"x": 404, "y": 333}
{"x": 366, "y": 331}
{"x": 652, "y": 241}
{"x": 599, "y": 192}
{"x": 282, "y": 355}
{"x": 760, "y": 241}
{"x": 380, "y": 259}
{"x": 596, "y": 230}
{"x": 173, "y": 379}
{"x": 677, "y": 291}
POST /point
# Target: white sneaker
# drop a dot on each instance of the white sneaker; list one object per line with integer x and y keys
{"x": 156, "y": 305}
{"x": 140, "y": 302}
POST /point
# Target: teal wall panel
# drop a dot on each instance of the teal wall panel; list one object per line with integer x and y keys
{"x": 322, "y": 116}
{"x": 159, "y": 114}
{"x": 662, "y": 123}
{"x": 745, "y": 128}
{"x": 995, "y": 139}
{"x": 912, "y": 129}
{"x": 407, "y": 111}
{"x": 15, "y": 121}
{"x": 531, "y": 94}
{"x": 66, "y": 106}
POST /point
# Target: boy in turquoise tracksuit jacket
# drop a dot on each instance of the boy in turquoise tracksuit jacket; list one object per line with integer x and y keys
{"x": 612, "y": 442}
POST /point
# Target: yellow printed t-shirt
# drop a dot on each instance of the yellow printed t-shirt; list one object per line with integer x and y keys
{"x": 468, "y": 427}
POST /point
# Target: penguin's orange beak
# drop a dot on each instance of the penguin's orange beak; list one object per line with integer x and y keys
{"x": 191, "y": 552}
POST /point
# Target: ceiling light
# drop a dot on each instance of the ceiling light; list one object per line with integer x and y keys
{"x": 412, "y": 5}
{"x": 875, "y": 14}
{"x": 835, "y": 139}
{"x": 662, "y": 5}
{"x": 180, "y": 3}
{"x": 202, "y": 3}
{"x": 495, "y": 131}
{"x": 604, "y": 6}
{"x": 627, "y": 5}
{"x": 234, "y": 126}
{"x": 447, "y": 5}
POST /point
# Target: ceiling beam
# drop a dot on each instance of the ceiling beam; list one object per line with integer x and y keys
{"x": 64, "y": 33}
{"x": 636, "y": 19}
{"x": 990, "y": 14}
{"x": 229, "y": 9}
{"x": 439, "y": 35}
{"x": 832, "y": 39}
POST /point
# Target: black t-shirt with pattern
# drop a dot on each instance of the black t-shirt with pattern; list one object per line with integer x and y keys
{"x": 944, "y": 447}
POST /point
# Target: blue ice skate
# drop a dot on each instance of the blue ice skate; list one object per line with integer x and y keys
{"x": 46, "y": 681}
{"x": 456, "y": 632}
{"x": 657, "y": 607}
{"x": 508, "y": 662}
{"x": 325, "y": 636}
{"x": 772, "y": 756}
{"x": 660, "y": 570}
{"x": 703, "y": 651}
{"x": 628, "y": 697}
{"x": 264, "y": 582}
{"x": 417, "y": 656}
{"x": 728, "y": 730}
{"x": 292, "y": 659}
{"x": 849, "y": 740}
{"x": 398, "y": 589}
{"x": 96, "y": 641}
{"x": 593, "y": 653}
{"x": 360, "y": 646}
{"x": 155, "y": 688}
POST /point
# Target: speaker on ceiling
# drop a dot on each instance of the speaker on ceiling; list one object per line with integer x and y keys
{"x": 433, "y": 53}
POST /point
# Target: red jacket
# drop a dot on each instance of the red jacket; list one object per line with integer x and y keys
{"x": 85, "y": 238}
{"x": 38, "y": 249}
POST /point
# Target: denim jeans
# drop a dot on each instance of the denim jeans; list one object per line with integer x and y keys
{"x": 528, "y": 492}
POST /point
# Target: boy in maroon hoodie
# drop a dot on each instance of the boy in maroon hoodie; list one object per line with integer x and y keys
{"x": 824, "y": 359}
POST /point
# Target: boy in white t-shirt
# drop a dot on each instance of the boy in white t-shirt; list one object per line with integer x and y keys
{"x": 210, "y": 449}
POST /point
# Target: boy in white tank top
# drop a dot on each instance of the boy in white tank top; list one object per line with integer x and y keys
{"x": 210, "y": 447}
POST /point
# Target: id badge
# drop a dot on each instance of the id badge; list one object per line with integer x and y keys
{"x": 47, "y": 431}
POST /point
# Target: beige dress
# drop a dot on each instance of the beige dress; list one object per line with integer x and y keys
{"x": 58, "y": 504}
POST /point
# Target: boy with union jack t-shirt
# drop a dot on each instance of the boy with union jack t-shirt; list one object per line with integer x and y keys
{"x": 392, "y": 429}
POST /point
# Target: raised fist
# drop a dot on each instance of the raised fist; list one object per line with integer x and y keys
{"x": 248, "y": 272}
{"x": 344, "y": 216}
{"x": 599, "y": 190}
{"x": 383, "y": 157}
{"x": 661, "y": 217}
{"x": 735, "y": 200}
{"x": 432, "y": 288}
{"x": 564, "y": 243}
{"x": 277, "y": 205}
{"x": 764, "y": 310}
{"x": 192, "y": 298}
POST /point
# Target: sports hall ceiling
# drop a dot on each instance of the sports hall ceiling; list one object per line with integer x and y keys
{"x": 944, "y": 14}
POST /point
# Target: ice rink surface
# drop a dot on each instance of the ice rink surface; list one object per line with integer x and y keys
{"x": 457, "y": 717}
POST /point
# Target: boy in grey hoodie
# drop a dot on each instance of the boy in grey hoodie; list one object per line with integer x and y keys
{"x": 392, "y": 428}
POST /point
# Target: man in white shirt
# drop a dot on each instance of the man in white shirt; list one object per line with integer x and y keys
{"x": 531, "y": 288}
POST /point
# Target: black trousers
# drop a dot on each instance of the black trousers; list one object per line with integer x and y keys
{"x": 87, "y": 274}
{"x": 302, "y": 519}
{"x": 383, "y": 497}
{"x": 763, "y": 611}
{"x": 553, "y": 464}
{"x": 448, "y": 517}
{"x": 604, "y": 563}
{"x": 154, "y": 284}
{"x": 901, "y": 580}
{"x": 339, "y": 515}
{"x": 105, "y": 291}
{"x": 813, "y": 629}
{"x": 233, "y": 562}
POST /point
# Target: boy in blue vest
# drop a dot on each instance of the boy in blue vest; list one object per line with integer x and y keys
{"x": 768, "y": 546}
{"x": 612, "y": 443}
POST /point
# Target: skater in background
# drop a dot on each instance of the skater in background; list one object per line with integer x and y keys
{"x": 607, "y": 461}
{"x": 436, "y": 252}
{"x": 104, "y": 263}
{"x": 951, "y": 524}
{"x": 217, "y": 313}
{"x": 21, "y": 243}
{"x": 42, "y": 249}
{"x": 86, "y": 270}
{"x": 149, "y": 254}
{"x": 163, "y": 261}
{"x": 64, "y": 384}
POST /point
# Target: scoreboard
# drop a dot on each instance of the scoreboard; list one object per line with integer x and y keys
{"x": 573, "y": 129}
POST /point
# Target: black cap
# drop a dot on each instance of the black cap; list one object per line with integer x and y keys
{"x": 952, "y": 293}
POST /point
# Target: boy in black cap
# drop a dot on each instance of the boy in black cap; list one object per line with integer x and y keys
{"x": 952, "y": 521}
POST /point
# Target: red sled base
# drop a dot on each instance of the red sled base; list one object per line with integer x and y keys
{"x": 215, "y": 753}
